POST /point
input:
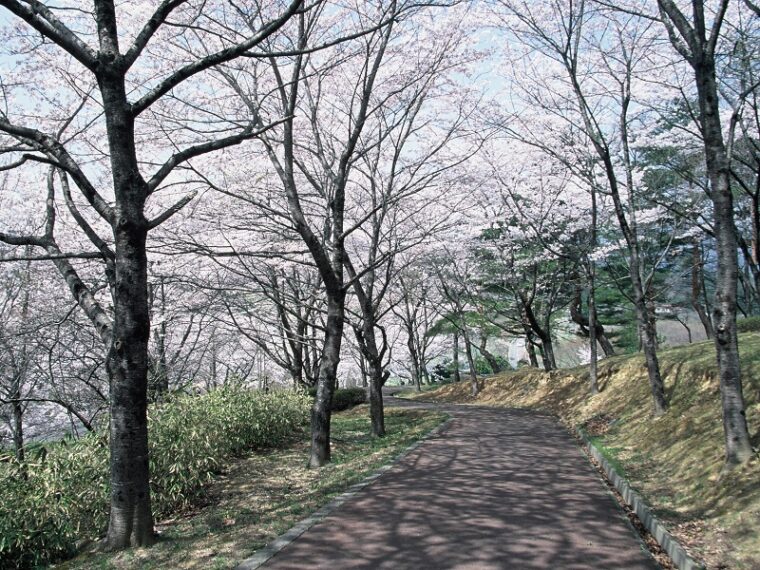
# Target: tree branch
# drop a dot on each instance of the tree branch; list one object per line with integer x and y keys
{"x": 213, "y": 59}
{"x": 42, "y": 19}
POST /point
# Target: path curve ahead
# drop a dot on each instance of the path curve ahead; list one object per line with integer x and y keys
{"x": 496, "y": 488}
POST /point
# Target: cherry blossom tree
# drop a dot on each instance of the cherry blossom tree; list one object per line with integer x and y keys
{"x": 103, "y": 99}
{"x": 696, "y": 37}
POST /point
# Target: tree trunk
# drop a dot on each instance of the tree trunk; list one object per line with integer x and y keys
{"x": 18, "y": 427}
{"x": 131, "y": 520}
{"x": 328, "y": 373}
{"x": 547, "y": 354}
{"x": 376, "y": 409}
{"x": 584, "y": 323}
{"x": 696, "y": 290}
{"x": 457, "y": 377}
{"x": 738, "y": 446}
{"x": 530, "y": 348}
{"x": 413, "y": 354}
{"x": 490, "y": 358}
{"x": 474, "y": 386}
{"x": 649, "y": 346}
{"x": 592, "y": 334}
{"x": 544, "y": 333}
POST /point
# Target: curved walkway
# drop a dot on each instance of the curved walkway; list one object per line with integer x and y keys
{"x": 496, "y": 489}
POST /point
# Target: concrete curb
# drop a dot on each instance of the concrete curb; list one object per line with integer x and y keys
{"x": 669, "y": 544}
{"x": 265, "y": 554}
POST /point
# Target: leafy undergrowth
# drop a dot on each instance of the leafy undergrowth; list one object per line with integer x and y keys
{"x": 59, "y": 496}
{"x": 261, "y": 496}
{"x": 674, "y": 461}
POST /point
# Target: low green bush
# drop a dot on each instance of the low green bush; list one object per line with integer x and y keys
{"x": 344, "y": 398}
{"x": 61, "y": 494}
{"x": 750, "y": 324}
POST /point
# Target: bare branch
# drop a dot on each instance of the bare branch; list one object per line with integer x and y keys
{"x": 203, "y": 148}
{"x": 166, "y": 214}
{"x": 42, "y": 19}
{"x": 211, "y": 60}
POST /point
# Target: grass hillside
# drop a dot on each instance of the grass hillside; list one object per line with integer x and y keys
{"x": 674, "y": 461}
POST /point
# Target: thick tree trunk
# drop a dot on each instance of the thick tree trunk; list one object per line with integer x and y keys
{"x": 376, "y": 409}
{"x": 457, "y": 377}
{"x": 738, "y": 446}
{"x": 328, "y": 373}
{"x": 131, "y": 520}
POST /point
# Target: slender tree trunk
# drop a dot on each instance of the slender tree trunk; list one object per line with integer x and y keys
{"x": 547, "y": 354}
{"x": 17, "y": 412}
{"x": 530, "y": 348}
{"x": 490, "y": 358}
{"x": 474, "y": 386}
{"x": 649, "y": 346}
{"x": 649, "y": 342}
{"x": 411, "y": 346}
{"x": 457, "y": 377}
{"x": 592, "y": 332}
{"x": 328, "y": 373}
{"x": 363, "y": 370}
{"x": 585, "y": 323}
{"x": 696, "y": 290}
{"x": 652, "y": 314}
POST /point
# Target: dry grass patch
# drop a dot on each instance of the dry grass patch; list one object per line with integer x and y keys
{"x": 261, "y": 496}
{"x": 675, "y": 461}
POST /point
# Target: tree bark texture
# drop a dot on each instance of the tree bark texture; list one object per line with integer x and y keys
{"x": 131, "y": 520}
{"x": 738, "y": 446}
{"x": 328, "y": 375}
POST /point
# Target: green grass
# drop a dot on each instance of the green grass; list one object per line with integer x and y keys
{"x": 675, "y": 461}
{"x": 611, "y": 454}
{"x": 261, "y": 496}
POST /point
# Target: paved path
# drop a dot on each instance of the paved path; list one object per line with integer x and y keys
{"x": 496, "y": 489}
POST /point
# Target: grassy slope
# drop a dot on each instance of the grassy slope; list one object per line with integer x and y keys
{"x": 674, "y": 461}
{"x": 261, "y": 496}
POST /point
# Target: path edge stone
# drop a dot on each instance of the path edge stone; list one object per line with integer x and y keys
{"x": 263, "y": 555}
{"x": 669, "y": 544}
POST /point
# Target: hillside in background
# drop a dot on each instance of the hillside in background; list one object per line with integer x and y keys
{"x": 674, "y": 461}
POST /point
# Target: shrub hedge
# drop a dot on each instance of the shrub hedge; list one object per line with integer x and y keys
{"x": 61, "y": 494}
{"x": 344, "y": 398}
{"x": 750, "y": 324}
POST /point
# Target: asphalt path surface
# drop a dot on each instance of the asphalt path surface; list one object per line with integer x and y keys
{"x": 496, "y": 488}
